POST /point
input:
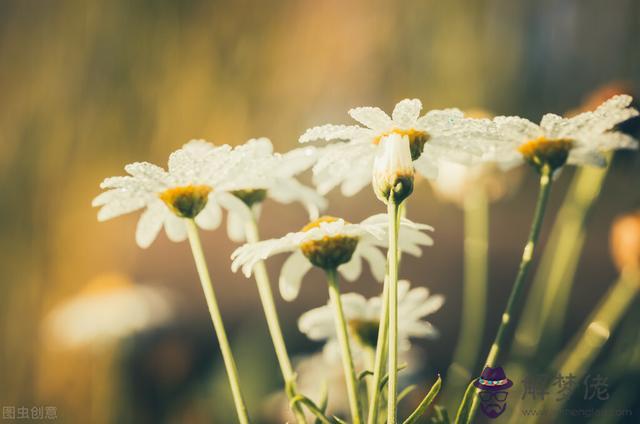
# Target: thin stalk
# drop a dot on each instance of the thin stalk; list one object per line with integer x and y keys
{"x": 343, "y": 339}
{"x": 500, "y": 342}
{"x": 382, "y": 342}
{"x": 546, "y": 305}
{"x": 273, "y": 323}
{"x": 371, "y": 361}
{"x": 216, "y": 318}
{"x": 392, "y": 259}
{"x": 476, "y": 231}
{"x": 381, "y": 354}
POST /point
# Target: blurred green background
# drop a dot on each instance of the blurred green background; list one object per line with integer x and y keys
{"x": 88, "y": 86}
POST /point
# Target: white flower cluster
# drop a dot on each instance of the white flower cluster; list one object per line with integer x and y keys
{"x": 253, "y": 169}
{"x": 229, "y": 176}
{"x": 385, "y": 151}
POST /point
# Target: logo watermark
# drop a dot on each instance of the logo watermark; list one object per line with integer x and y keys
{"x": 544, "y": 390}
{"x": 493, "y": 384}
{"x": 29, "y": 413}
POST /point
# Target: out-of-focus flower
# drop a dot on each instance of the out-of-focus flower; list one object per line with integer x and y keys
{"x": 580, "y": 140}
{"x": 600, "y": 95}
{"x": 196, "y": 176}
{"x": 319, "y": 373}
{"x": 625, "y": 241}
{"x": 393, "y": 169}
{"x": 363, "y": 319}
{"x": 109, "y": 308}
{"x": 329, "y": 243}
{"x": 278, "y": 181}
{"x": 456, "y": 181}
{"x": 437, "y": 134}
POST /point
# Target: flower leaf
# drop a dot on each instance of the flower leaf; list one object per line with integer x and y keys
{"x": 440, "y": 415}
{"x": 424, "y": 404}
{"x": 312, "y": 407}
{"x": 364, "y": 374}
{"x": 462, "y": 416}
{"x": 385, "y": 378}
{"x": 404, "y": 393}
{"x": 324, "y": 401}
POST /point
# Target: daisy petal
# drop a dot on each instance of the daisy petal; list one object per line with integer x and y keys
{"x": 334, "y": 132}
{"x": 376, "y": 261}
{"x": 407, "y": 111}
{"x": 426, "y": 167}
{"x": 233, "y": 204}
{"x": 211, "y": 216}
{"x": 317, "y": 324}
{"x": 235, "y": 227}
{"x": 359, "y": 179}
{"x": 420, "y": 329}
{"x": 124, "y": 205}
{"x": 429, "y": 306}
{"x": 587, "y": 157}
{"x": 372, "y": 117}
{"x": 175, "y": 228}
{"x": 352, "y": 269}
{"x": 293, "y": 269}
{"x": 150, "y": 223}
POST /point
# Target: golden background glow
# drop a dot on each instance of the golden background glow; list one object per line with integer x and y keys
{"x": 88, "y": 86}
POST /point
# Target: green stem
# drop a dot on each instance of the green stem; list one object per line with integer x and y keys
{"x": 343, "y": 339}
{"x": 216, "y": 318}
{"x": 392, "y": 259}
{"x": 500, "y": 342}
{"x": 371, "y": 361}
{"x": 544, "y": 312}
{"x": 273, "y": 323}
{"x": 381, "y": 353}
{"x": 476, "y": 230}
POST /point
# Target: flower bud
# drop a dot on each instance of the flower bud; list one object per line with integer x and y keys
{"x": 393, "y": 169}
{"x": 625, "y": 241}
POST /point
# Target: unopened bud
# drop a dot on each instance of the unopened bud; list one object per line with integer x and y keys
{"x": 393, "y": 169}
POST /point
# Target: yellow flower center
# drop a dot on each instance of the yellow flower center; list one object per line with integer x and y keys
{"x": 365, "y": 331}
{"x": 549, "y": 152}
{"x": 251, "y": 196}
{"x": 417, "y": 140}
{"x": 186, "y": 201}
{"x": 328, "y": 252}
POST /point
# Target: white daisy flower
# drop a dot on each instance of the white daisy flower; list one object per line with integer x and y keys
{"x": 278, "y": 181}
{"x": 456, "y": 182}
{"x": 109, "y": 308}
{"x": 437, "y": 134}
{"x": 197, "y": 180}
{"x": 580, "y": 140}
{"x": 329, "y": 243}
{"x": 363, "y": 319}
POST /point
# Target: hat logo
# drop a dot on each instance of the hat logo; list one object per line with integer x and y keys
{"x": 493, "y": 384}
